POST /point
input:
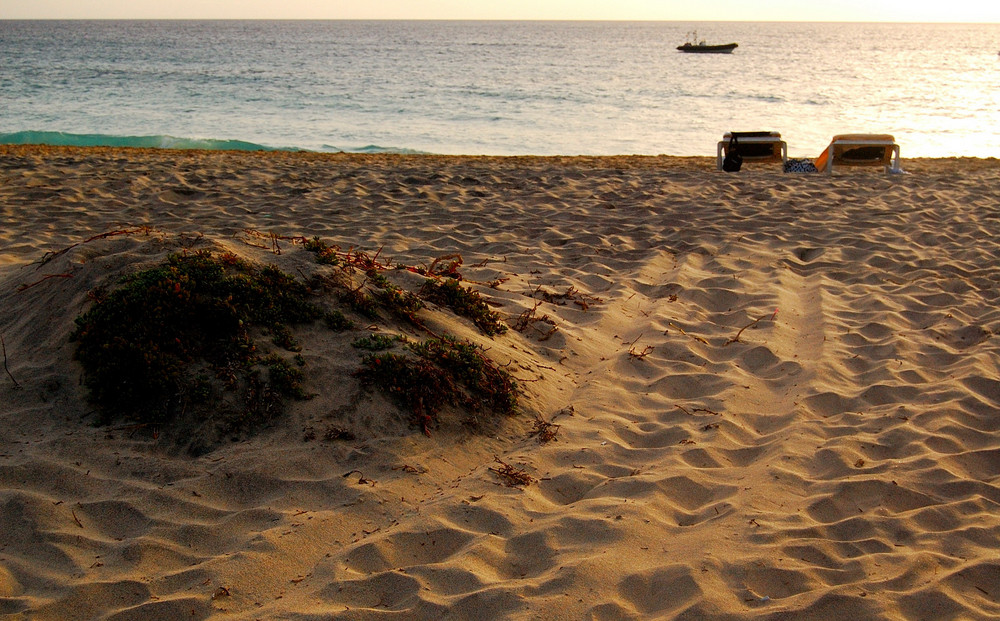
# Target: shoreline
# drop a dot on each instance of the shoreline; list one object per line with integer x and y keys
{"x": 704, "y": 162}
{"x": 770, "y": 394}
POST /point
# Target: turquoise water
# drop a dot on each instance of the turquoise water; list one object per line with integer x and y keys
{"x": 496, "y": 87}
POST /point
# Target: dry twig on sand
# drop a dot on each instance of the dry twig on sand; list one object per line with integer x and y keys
{"x": 681, "y": 330}
{"x": 528, "y": 319}
{"x": 362, "y": 480}
{"x": 572, "y": 294}
{"x": 26, "y": 286}
{"x": 545, "y": 430}
{"x": 5, "y": 367}
{"x": 736, "y": 338}
{"x": 510, "y": 475}
{"x": 48, "y": 256}
{"x": 638, "y": 355}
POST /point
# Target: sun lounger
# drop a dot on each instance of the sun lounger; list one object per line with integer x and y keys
{"x": 754, "y": 147}
{"x": 860, "y": 150}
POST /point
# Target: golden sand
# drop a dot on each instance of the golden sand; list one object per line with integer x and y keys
{"x": 777, "y": 396}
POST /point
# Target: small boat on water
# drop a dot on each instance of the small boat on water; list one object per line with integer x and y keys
{"x": 703, "y": 48}
{"x": 693, "y": 46}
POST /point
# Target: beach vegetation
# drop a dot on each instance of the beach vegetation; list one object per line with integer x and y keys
{"x": 378, "y": 342}
{"x": 439, "y": 372}
{"x": 360, "y": 301}
{"x": 402, "y": 304}
{"x": 489, "y": 384}
{"x": 544, "y": 430}
{"x": 377, "y": 279}
{"x": 337, "y": 321}
{"x": 374, "y": 293}
{"x": 178, "y": 346}
{"x": 465, "y": 302}
{"x": 325, "y": 254}
{"x": 284, "y": 338}
{"x": 511, "y": 475}
{"x": 170, "y": 339}
{"x": 283, "y": 377}
{"x": 333, "y": 433}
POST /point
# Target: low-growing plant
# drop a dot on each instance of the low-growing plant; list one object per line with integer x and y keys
{"x": 362, "y": 302}
{"x": 284, "y": 338}
{"x": 415, "y": 384}
{"x": 285, "y": 378}
{"x": 402, "y": 304}
{"x": 512, "y": 476}
{"x": 465, "y": 302}
{"x": 488, "y": 383}
{"x": 377, "y": 279}
{"x": 336, "y": 321}
{"x": 140, "y": 343}
{"x": 325, "y": 254}
{"x": 377, "y": 342}
{"x": 544, "y": 430}
{"x": 443, "y": 371}
{"x": 174, "y": 344}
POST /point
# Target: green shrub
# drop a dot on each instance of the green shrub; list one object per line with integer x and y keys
{"x": 444, "y": 371}
{"x": 402, "y": 304}
{"x": 139, "y": 343}
{"x": 487, "y": 383}
{"x": 414, "y": 384}
{"x": 285, "y": 378}
{"x": 377, "y": 278}
{"x": 465, "y": 302}
{"x": 284, "y": 338}
{"x": 336, "y": 321}
{"x": 377, "y": 342}
{"x": 174, "y": 344}
{"x": 361, "y": 302}
{"x": 325, "y": 254}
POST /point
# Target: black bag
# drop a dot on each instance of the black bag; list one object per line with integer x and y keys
{"x": 733, "y": 160}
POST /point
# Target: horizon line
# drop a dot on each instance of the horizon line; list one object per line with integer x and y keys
{"x": 479, "y": 19}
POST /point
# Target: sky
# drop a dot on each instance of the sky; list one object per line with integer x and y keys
{"x": 668, "y": 10}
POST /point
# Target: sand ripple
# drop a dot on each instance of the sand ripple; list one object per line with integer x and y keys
{"x": 778, "y": 397}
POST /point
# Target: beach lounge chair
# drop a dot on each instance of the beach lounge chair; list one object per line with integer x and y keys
{"x": 754, "y": 147}
{"x": 860, "y": 150}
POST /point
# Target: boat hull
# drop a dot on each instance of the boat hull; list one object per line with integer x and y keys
{"x": 708, "y": 49}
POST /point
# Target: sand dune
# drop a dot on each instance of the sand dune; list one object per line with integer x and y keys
{"x": 777, "y": 396}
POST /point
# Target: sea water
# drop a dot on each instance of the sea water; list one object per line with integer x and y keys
{"x": 500, "y": 88}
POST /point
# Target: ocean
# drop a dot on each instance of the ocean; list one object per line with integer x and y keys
{"x": 497, "y": 88}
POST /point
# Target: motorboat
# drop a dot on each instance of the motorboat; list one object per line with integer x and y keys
{"x": 704, "y": 48}
{"x": 693, "y": 46}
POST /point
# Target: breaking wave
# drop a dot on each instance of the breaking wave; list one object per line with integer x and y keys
{"x": 106, "y": 140}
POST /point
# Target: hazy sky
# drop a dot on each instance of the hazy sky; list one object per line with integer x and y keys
{"x": 676, "y": 10}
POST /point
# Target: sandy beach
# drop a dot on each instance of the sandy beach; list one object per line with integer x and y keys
{"x": 763, "y": 395}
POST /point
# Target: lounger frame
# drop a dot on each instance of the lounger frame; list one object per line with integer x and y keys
{"x": 840, "y": 146}
{"x": 774, "y": 139}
